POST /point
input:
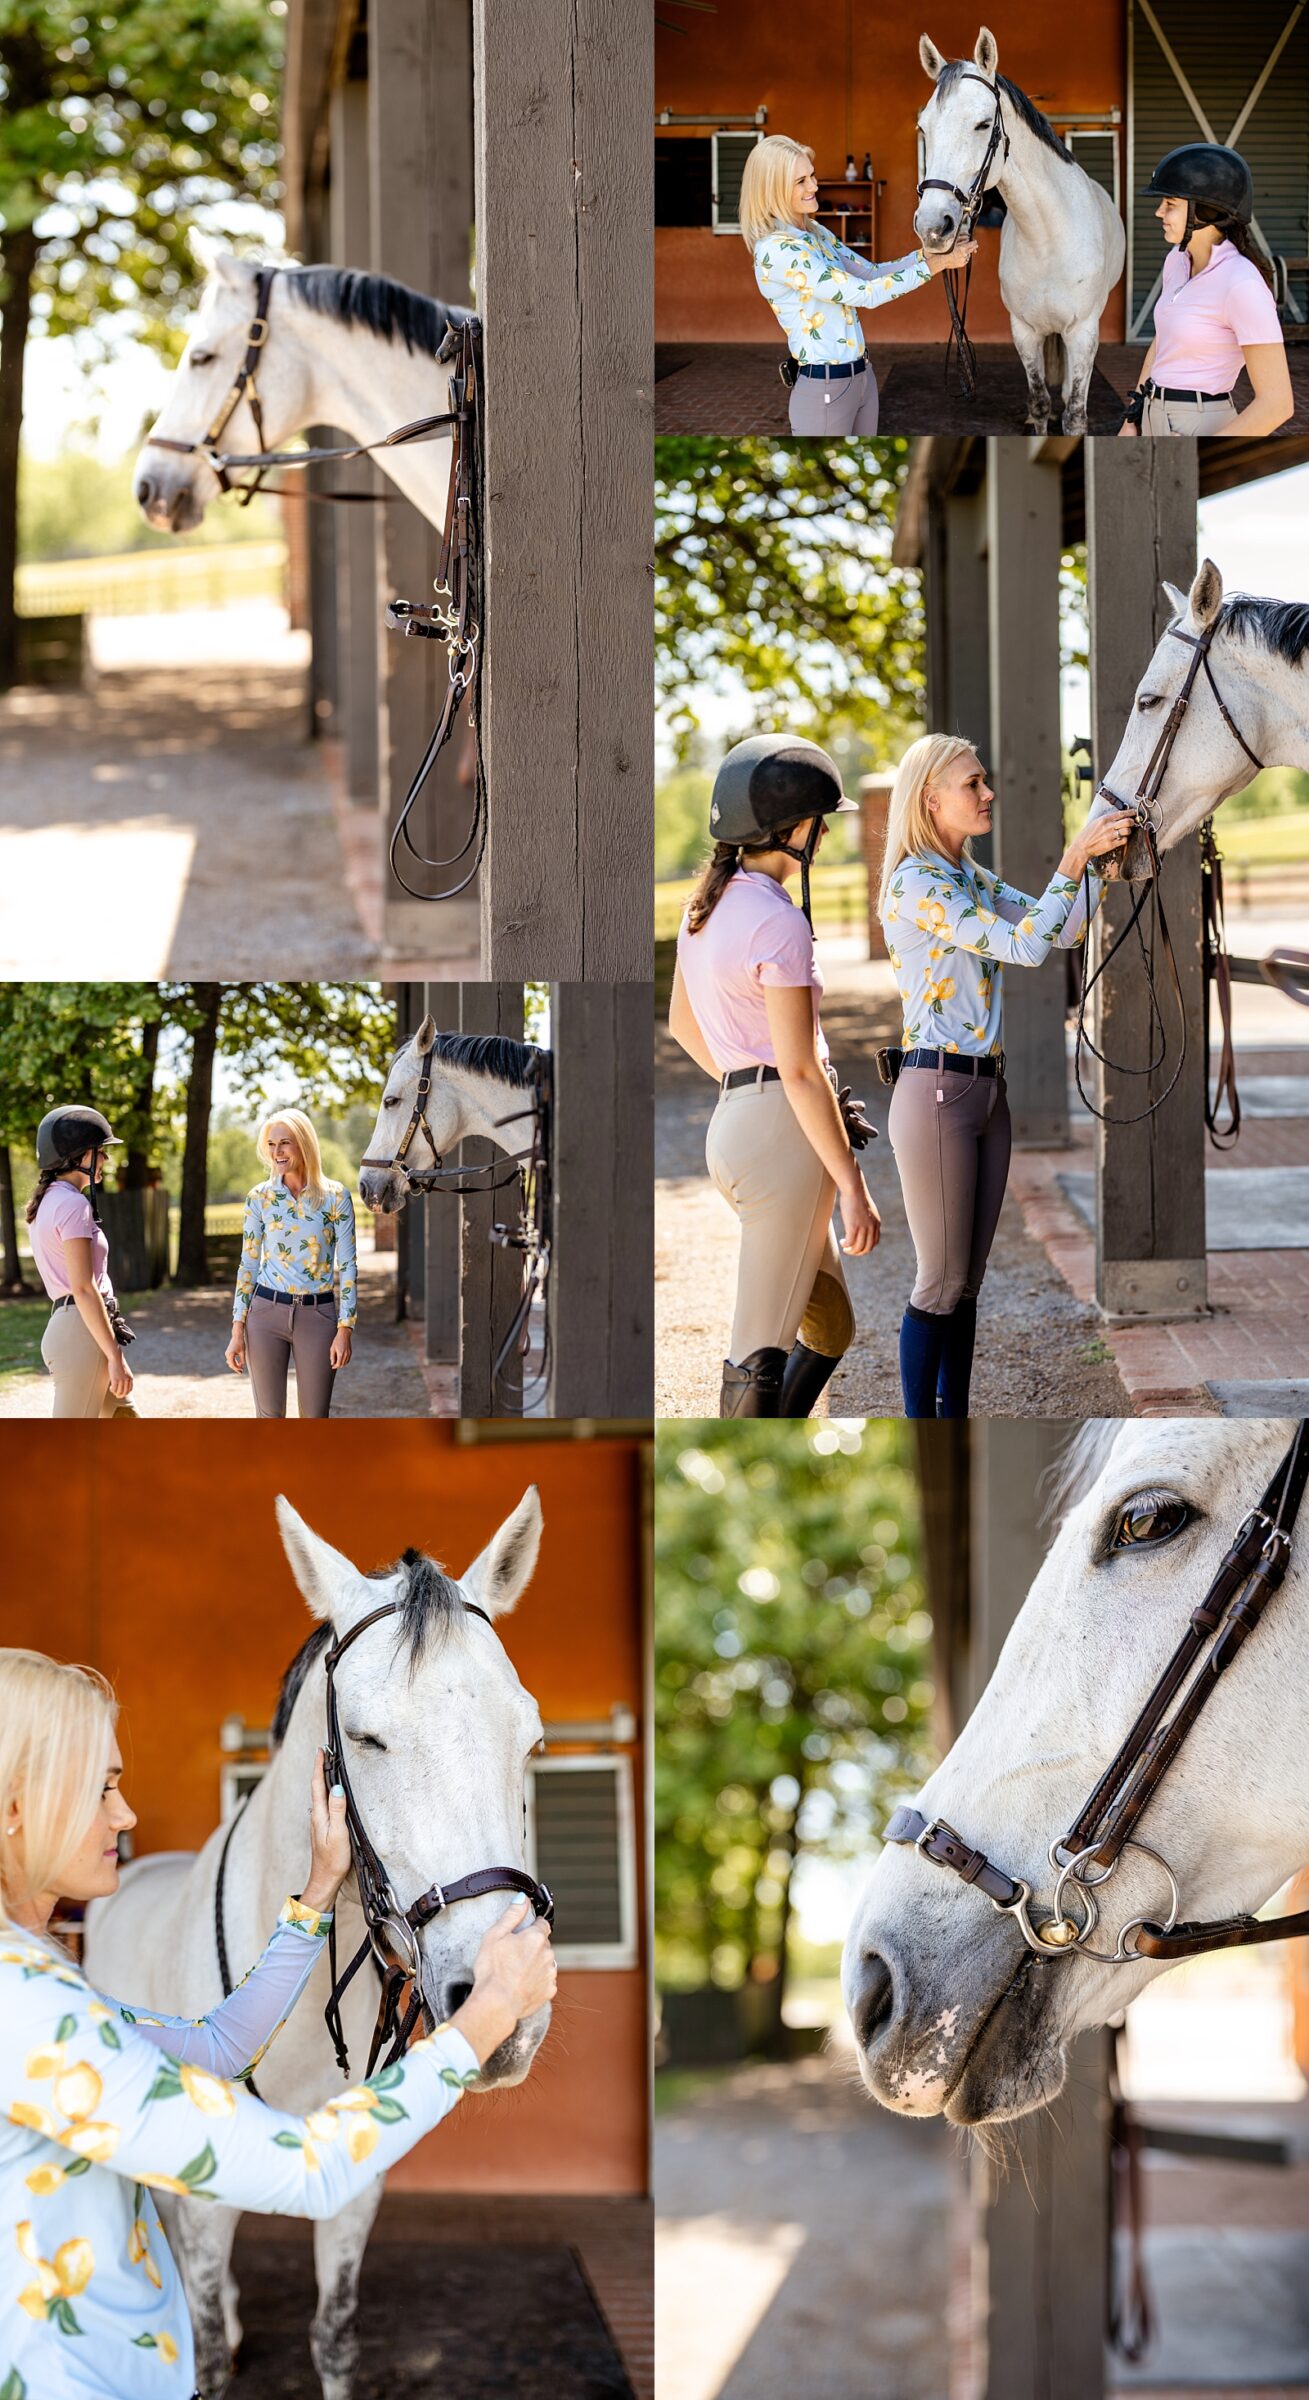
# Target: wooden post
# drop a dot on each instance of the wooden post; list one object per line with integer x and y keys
{"x": 1150, "y": 1243}
{"x": 1042, "y": 2256}
{"x": 421, "y": 211}
{"x": 956, "y": 595}
{"x": 1024, "y": 504}
{"x": 356, "y": 540}
{"x": 564, "y": 100}
{"x": 602, "y": 1271}
{"x": 443, "y": 1237}
{"x": 311, "y": 534}
{"x": 490, "y": 1279}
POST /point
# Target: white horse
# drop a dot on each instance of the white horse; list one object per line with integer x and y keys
{"x": 952, "y": 2013}
{"x": 481, "y": 1087}
{"x": 437, "y": 1730}
{"x": 343, "y": 348}
{"x": 1062, "y": 245}
{"x": 1259, "y": 655}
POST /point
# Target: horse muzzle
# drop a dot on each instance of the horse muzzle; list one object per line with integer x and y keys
{"x": 166, "y": 491}
{"x": 1136, "y": 858}
{"x": 383, "y": 1189}
{"x": 936, "y": 223}
{"x": 970, "y": 2040}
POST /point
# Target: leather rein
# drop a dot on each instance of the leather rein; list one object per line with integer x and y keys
{"x": 455, "y": 617}
{"x": 1216, "y": 960}
{"x": 956, "y": 282}
{"x": 1086, "y": 1856}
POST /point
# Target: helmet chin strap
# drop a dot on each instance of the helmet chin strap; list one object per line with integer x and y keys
{"x": 804, "y": 851}
{"x": 90, "y": 1188}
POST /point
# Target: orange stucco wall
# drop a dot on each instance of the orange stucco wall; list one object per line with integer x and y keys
{"x": 843, "y": 78}
{"x": 151, "y": 1552}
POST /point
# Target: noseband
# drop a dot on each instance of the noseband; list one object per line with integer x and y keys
{"x": 1085, "y": 1857}
{"x": 956, "y": 287}
{"x": 440, "y": 1178}
{"x": 1146, "y": 810}
{"x": 392, "y": 1931}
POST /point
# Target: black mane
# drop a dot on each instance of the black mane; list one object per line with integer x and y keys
{"x": 486, "y": 1053}
{"x": 430, "y": 1606}
{"x": 293, "y": 1681}
{"x": 376, "y": 302}
{"x": 1280, "y": 625}
{"x": 1018, "y": 101}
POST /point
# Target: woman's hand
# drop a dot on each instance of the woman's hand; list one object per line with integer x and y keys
{"x": 1128, "y": 428}
{"x": 1099, "y": 834}
{"x": 859, "y": 1218}
{"x": 120, "y": 1374}
{"x": 339, "y": 1354}
{"x": 514, "y": 1974}
{"x": 940, "y": 261}
{"x": 235, "y": 1351}
{"x": 329, "y": 1836}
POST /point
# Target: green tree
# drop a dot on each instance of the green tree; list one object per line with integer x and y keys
{"x": 681, "y": 822}
{"x": 94, "y": 1042}
{"x": 791, "y": 1674}
{"x": 120, "y": 128}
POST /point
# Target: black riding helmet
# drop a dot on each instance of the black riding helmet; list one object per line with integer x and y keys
{"x": 767, "y": 785}
{"x": 64, "y": 1136}
{"x": 1206, "y": 173}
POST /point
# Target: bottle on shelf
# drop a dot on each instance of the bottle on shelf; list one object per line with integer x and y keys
{"x": 851, "y": 171}
{"x": 868, "y": 166}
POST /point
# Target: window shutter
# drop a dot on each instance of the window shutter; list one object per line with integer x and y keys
{"x": 731, "y": 151}
{"x": 582, "y": 1844}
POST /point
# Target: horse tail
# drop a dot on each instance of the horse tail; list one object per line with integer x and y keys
{"x": 1056, "y": 361}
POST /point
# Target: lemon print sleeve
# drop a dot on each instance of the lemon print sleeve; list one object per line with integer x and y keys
{"x": 233, "y": 2038}
{"x": 950, "y": 932}
{"x": 95, "y": 2119}
{"x": 293, "y": 1243}
{"x": 814, "y": 285}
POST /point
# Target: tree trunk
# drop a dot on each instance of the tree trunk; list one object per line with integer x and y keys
{"x": 787, "y": 1840}
{"x": 13, "y": 1273}
{"x": 192, "y": 1257}
{"x": 18, "y": 255}
{"x": 137, "y": 1163}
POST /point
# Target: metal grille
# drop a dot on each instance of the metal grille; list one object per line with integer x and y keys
{"x": 731, "y": 151}
{"x": 583, "y": 1847}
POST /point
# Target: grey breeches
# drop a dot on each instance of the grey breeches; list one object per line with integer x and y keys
{"x": 275, "y": 1334}
{"x": 790, "y": 1280}
{"x": 850, "y": 405}
{"x": 953, "y": 1158}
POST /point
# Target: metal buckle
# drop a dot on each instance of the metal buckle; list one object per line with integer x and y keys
{"x": 258, "y": 334}
{"x": 938, "y": 1825}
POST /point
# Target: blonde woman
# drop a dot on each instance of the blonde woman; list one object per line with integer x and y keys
{"x": 100, "y": 2108}
{"x": 84, "y": 1341}
{"x": 299, "y": 1233}
{"x": 952, "y": 927}
{"x": 815, "y": 287}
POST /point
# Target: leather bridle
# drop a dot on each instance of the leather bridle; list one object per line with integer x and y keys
{"x": 1145, "y": 808}
{"x": 970, "y": 202}
{"x": 392, "y": 1931}
{"x": 1086, "y": 1856}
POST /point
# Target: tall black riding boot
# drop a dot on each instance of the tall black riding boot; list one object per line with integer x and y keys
{"x": 807, "y": 1374}
{"x": 754, "y": 1389}
{"x": 955, "y": 1373}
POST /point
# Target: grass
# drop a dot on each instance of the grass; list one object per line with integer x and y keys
{"x": 840, "y": 897}
{"x": 1265, "y": 841}
{"x": 22, "y": 1324}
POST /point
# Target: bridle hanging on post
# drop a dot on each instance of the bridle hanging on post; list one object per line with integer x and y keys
{"x": 970, "y": 202}
{"x": 1107, "y": 1824}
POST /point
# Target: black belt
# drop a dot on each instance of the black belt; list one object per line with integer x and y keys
{"x": 743, "y": 1075}
{"x": 1159, "y": 391}
{"x": 954, "y": 1062}
{"x": 264, "y": 1291}
{"x": 837, "y": 374}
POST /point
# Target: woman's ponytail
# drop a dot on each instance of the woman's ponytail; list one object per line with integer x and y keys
{"x": 712, "y": 885}
{"x": 1232, "y": 230}
{"x": 47, "y": 1176}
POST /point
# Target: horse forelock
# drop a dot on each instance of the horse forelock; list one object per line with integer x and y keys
{"x": 431, "y": 1604}
{"x": 293, "y": 1681}
{"x": 1073, "y": 1475}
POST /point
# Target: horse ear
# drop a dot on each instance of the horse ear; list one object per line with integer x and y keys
{"x": 1177, "y": 601}
{"x": 1206, "y": 595}
{"x": 326, "y": 1579}
{"x": 426, "y": 1034}
{"x": 987, "y": 54}
{"x": 499, "y": 1576}
{"x": 932, "y": 60}
{"x": 212, "y": 259}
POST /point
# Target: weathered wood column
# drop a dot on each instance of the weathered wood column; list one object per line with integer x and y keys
{"x": 602, "y": 1260}
{"x": 490, "y": 1279}
{"x": 955, "y": 599}
{"x": 1041, "y": 2263}
{"x": 1150, "y": 1241}
{"x": 443, "y": 1234}
{"x": 421, "y": 212}
{"x": 564, "y": 99}
{"x": 1024, "y": 525}
{"x": 356, "y": 536}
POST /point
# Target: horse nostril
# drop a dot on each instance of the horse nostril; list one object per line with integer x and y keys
{"x": 874, "y": 2004}
{"x": 144, "y": 491}
{"x": 454, "y": 1996}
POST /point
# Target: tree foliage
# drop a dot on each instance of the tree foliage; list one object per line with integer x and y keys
{"x": 791, "y": 1672}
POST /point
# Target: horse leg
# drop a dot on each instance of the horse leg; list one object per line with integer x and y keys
{"x": 1080, "y": 346}
{"x": 339, "y": 2245}
{"x": 1030, "y": 346}
{"x": 201, "y": 2238}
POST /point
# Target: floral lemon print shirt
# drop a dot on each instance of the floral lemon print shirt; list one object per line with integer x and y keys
{"x": 98, "y": 2111}
{"x": 949, "y": 932}
{"x": 297, "y": 1245}
{"x": 814, "y": 286}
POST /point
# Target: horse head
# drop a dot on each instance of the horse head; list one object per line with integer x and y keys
{"x": 436, "y": 1731}
{"x": 478, "y": 1087}
{"x": 174, "y": 488}
{"x": 955, "y": 130}
{"x": 953, "y": 2013}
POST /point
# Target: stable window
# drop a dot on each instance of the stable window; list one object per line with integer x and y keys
{"x": 731, "y": 150}
{"x": 684, "y": 179}
{"x": 582, "y": 1844}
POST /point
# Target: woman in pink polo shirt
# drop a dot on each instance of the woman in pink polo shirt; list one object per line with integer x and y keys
{"x": 1215, "y": 313}
{"x": 779, "y": 1146}
{"x": 83, "y": 1342}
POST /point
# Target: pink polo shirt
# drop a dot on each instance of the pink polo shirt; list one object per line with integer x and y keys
{"x": 756, "y": 936}
{"x": 65, "y": 1215}
{"x": 1202, "y": 323}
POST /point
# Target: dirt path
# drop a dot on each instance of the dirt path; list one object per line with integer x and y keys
{"x": 1040, "y": 1352}
{"x": 180, "y": 1371}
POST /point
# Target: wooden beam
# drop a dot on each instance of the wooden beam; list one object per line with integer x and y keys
{"x": 602, "y": 1257}
{"x": 444, "y": 1235}
{"x": 357, "y": 601}
{"x": 564, "y": 100}
{"x": 1023, "y": 512}
{"x": 1150, "y": 1234}
{"x": 490, "y": 1279}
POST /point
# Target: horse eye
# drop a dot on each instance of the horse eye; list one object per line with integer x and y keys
{"x": 390, "y": 1099}
{"x": 367, "y": 1741}
{"x": 1149, "y": 700}
{"x": 983, "y": 125}
{"x": 1148, "y": 1519}
{"x": 202, "y": 358}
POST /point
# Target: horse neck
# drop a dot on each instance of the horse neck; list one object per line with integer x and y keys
{"x": 1284, "y": 693}
{"x": 493, "y": 1109}
{"x": 1031, "y": 181}
{"x": 368, "y": 387}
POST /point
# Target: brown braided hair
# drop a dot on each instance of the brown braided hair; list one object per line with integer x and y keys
{"x": 47, "y": 1176}
{"x": 727, "y": 857}
{"x": 1232, "y": 230}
